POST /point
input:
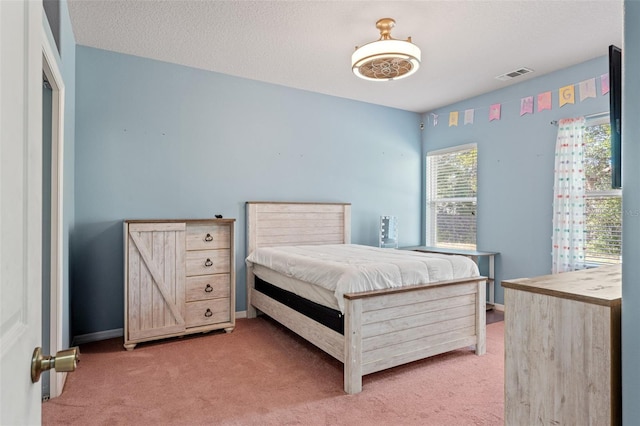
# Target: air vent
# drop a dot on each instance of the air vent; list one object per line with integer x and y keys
{"x": 514, "y": 74}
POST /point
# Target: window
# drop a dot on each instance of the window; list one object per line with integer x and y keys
{"x": 603, "y": 204}
{"x": 452, "y": 187}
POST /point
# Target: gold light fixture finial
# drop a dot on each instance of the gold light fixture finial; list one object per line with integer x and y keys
{"x": 387, "y": 58}
{"x": 385, "y": 25}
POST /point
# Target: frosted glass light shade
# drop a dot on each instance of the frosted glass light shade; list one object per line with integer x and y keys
{"x": 385, "y": 60}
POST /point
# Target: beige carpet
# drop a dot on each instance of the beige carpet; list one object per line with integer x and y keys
{"x": 262, "y": 374}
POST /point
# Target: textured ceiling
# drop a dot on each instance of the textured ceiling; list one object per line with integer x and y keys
{"x": 308, "y": 44}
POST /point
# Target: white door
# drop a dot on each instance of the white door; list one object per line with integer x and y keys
{"x": 20, "y": 208}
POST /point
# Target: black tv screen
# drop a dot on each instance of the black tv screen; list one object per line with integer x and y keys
{"x": 615, "y": 114}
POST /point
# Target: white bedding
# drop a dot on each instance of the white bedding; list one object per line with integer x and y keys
{"x": 312, "y": 292}
{"x": 352, "y": 268}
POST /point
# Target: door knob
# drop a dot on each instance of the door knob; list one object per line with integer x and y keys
{"x": 65, "y": 360}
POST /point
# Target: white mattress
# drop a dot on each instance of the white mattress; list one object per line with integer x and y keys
{"x": 352, "y": 268}
{"x": 312, "y": 292}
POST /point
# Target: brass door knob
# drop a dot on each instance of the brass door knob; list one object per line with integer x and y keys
{"x": 65, "y": 360}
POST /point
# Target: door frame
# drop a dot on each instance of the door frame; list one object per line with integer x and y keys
{"x": 51, "y": 69}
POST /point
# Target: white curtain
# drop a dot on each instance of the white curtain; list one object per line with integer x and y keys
{"x": 568, "y": 249}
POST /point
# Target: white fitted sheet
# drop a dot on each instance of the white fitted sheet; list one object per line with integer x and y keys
{"x": 352, "y": 268}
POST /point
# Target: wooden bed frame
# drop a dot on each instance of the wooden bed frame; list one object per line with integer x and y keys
{"x": 382, "y": 328}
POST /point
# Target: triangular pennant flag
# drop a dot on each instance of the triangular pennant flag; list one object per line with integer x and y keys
{"x": 453, "y": 118}
{"x": 526, "y": 105}
{"x": 566, "y": 95}
{"x": 587, "y": 89}
{"x": 494, "y": 112}
{"x": 544, "y": 101}
{"x": 468, "y": 116}
{"x": 604, "y": 84}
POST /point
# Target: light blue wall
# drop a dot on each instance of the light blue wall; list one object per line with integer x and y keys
{"x": 631, "y": 218}
{"x": 157, "y": 140}
{"x": 515, "y": 165}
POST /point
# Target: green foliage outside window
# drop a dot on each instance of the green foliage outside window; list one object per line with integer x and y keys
{"x": 460, "y": 178}
{"x": 603, "y": 206}
{"x": 598, "y": 157}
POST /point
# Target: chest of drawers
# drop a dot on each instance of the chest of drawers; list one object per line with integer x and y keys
{"x": 179, "y": 278}
{"x": 562, "y": 348}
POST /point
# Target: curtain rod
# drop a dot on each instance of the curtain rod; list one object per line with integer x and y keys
{"x": 596, "y": 115}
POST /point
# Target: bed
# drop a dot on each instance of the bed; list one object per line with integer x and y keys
{"x": 380, "y": 328}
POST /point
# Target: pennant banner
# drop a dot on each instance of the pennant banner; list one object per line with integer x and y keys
{"x": 468, "y": 116}
{"x": 544, "y": 101}
{"x": 494, "y": 112}
{"x": 566, "y": 95}
{"x": 526, "y": 105}
{"x": 453, "y": 118}
{"x": 587, "y": 89}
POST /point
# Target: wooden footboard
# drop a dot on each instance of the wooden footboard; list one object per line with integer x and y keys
{"x": 387, "y": 328}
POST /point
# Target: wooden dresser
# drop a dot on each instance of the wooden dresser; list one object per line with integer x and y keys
{"x": 179, "y": 278}
{"x": 562, "y": 348}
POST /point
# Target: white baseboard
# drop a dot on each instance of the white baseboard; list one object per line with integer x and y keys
{"x": 116, "y": 332}
{"x": 498, "y": 307}
{"x": 94, "y": 337}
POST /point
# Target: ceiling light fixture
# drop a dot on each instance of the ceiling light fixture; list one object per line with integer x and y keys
{"x": 387, "y": 58}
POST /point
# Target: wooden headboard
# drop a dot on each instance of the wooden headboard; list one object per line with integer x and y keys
{"x": 279, "y": 223}
{"x": 272, "y": 224}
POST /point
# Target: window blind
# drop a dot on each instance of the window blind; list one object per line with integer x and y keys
{"x": 604, "y": 229}
{"x": 452, "y": 197}
{"x": 603, "y": 209}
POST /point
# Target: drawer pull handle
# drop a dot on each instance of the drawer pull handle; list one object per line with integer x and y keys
{"x": 208, "y": 238}
{"x": 208, "y": 263}
{"x": 208, "y": 313}
{"x": 208, "y": 288}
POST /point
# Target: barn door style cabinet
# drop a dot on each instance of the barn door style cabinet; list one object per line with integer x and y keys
{"x": 179, "y": 278}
